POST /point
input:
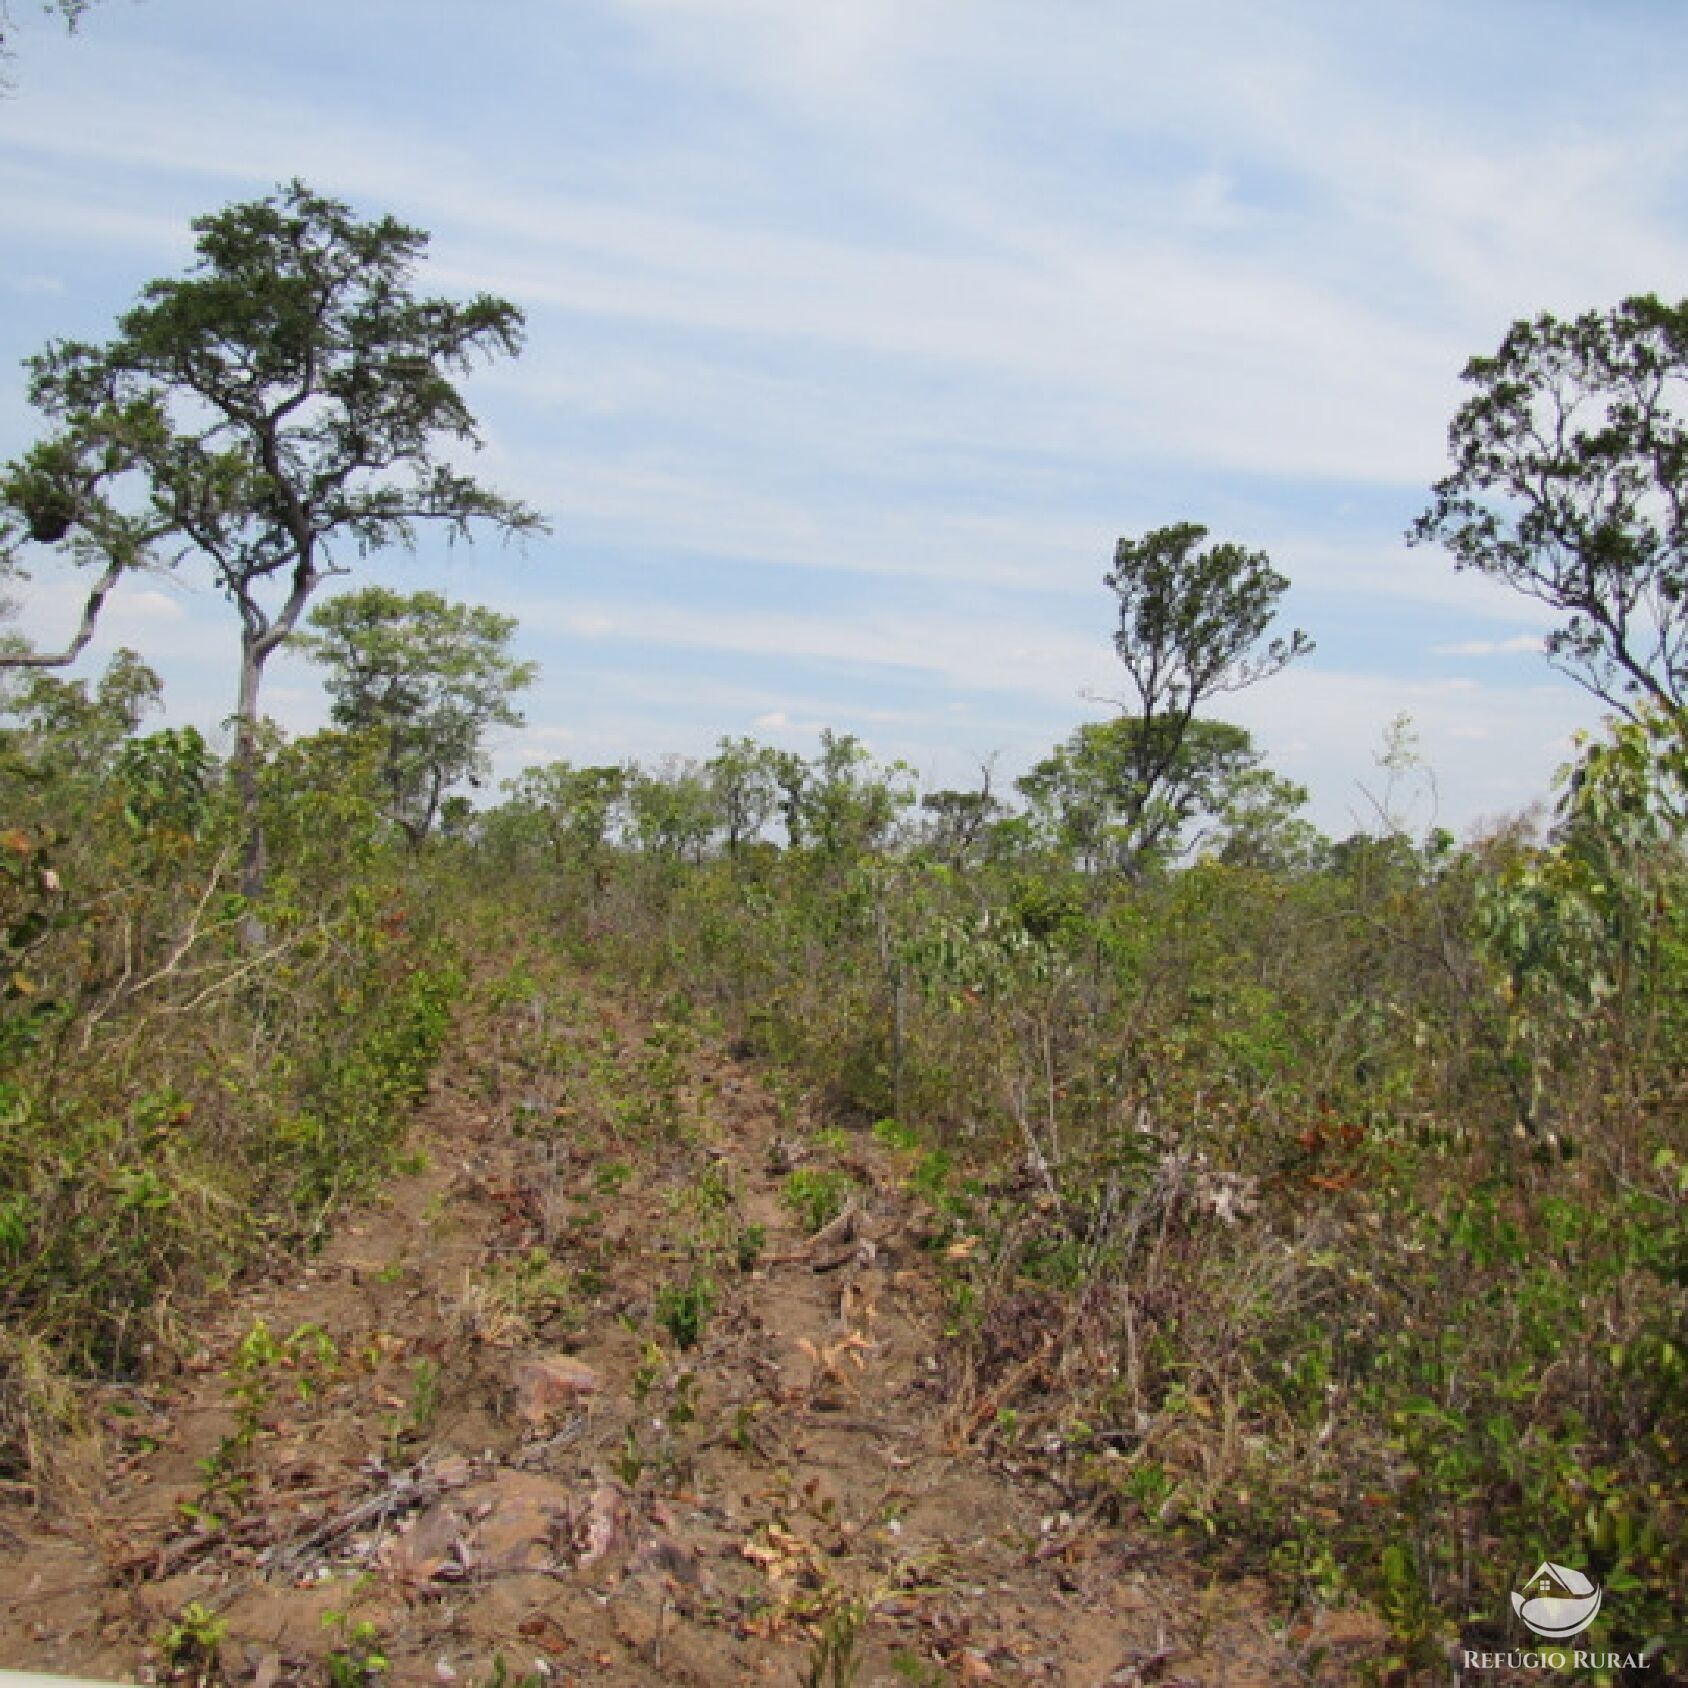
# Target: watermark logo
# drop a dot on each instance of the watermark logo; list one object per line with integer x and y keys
{"x": 1557, "y": 1602}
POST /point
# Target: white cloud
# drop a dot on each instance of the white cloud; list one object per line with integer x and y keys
{"x": 1486, "y": 749}
{"x": 132, "y": 606}
{"x": 1162, "y": 351}
{"x": 962, "y": 651}
{"x": 1262, "y": 356}
{"x": 777, "y": 721}
{"x": 1315, "y": 719}
{"x": 40, "y": 203}
{"x": 934, "y": 300}
{"x": 1522, "y": 642}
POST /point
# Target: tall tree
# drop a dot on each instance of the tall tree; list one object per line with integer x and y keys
{"x": 1088, "y": 796}
{"x": 1261, "y": 825}
{"x": 429, "y": 679}
{"x": 577, "y": 811}
{"x": 849, "y": 802}
{"x": 959, "y": 822}
{"x": 1193, "y": 625}
{"x": 1570, "y": 483}
{"x": 308, "y": 412}
{"x": 791, "y": 777}
{"x": 673, "y": 809}
{"x": 742, "y": 774}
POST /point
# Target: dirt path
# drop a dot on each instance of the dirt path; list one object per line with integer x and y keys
{"x": 585, "y": 1398}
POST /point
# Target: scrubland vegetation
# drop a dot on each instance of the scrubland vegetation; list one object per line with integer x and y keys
{"x": 1321, "y": 1205}
{"x": 1330, "y": 1214}
{"x": 173, "y": 1101}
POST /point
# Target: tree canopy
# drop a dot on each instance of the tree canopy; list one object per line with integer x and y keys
{"x": 428, "y": 678}
{"x": 302, "y": 408}
{"x": 1570, "y": 483}
{"x": 1193, "y": 624}
{"x": 743, "y": 777}
{"x": 1087, "y": 794}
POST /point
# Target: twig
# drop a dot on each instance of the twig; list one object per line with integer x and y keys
{"x": 240, "y": 972}
{"x": 414, "y": 1488}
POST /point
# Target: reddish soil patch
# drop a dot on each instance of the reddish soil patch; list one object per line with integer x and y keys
{"x": 501, "y": 1465}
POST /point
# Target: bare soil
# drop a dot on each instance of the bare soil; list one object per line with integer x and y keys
{"x": 482, "y": 1481}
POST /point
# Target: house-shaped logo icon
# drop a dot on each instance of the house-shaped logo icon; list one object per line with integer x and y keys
{"x": 1557, "y": 1602}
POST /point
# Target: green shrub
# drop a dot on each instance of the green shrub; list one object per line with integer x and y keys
{"x": 816, "y": 1195}
{"x": 683, "y": 1310}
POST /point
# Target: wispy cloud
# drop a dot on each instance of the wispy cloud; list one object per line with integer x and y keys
{"x": 960, "y": 652}
{"x": 776, "y": 721}
{"x": 857, "y": 339}
{"x": 1518, "y": 644}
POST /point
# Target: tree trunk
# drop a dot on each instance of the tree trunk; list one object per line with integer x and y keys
{"x": 260, "y": 637}
{"x": 253, "y": 654}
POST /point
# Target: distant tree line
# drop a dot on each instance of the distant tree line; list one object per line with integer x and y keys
{"x": 289, "y": 407}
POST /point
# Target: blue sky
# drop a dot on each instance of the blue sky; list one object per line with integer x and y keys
{"x": 857, "y": 335}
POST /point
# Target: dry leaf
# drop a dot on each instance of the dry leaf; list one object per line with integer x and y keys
{"x": 829, "y": 1358}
